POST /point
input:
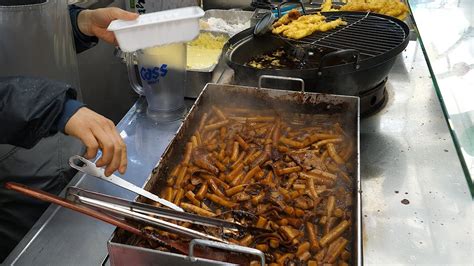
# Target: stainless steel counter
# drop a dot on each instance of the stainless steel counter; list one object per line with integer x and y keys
{"x": 406, "y": 153}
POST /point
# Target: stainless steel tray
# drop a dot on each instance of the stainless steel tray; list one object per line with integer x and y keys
{"x": 196, "y": 79}
{"x": 245, "y": 97}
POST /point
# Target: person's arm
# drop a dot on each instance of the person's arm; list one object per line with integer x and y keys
{"x": 82, "y": 42}
{"x": 90, "y": 25}
{"x": 98, "y": 132}
{"x": 31, "y": 109}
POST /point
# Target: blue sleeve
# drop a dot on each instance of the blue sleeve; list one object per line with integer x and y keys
{"x": 81, "y": 41}
{"x": 70, "y": 108}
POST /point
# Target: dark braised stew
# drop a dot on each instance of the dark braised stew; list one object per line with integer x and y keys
{"x": 288, "y": 173}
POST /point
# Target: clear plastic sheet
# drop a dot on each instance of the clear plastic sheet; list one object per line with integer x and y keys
{"x": 36, "y": 40}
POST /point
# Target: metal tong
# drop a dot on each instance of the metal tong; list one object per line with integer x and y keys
{"x": 150, "y": 214}
{"x": 83, "y": 165}
{"x": 141, "y": 212}
{"x": 174, "y": 245}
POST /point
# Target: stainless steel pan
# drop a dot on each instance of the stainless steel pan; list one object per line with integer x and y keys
{"x": 280, "y": 100}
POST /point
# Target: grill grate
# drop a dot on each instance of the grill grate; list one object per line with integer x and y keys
{"x": 370, "y": 35}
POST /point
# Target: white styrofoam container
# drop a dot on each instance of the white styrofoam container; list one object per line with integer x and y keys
{"x": 157, "y": 28}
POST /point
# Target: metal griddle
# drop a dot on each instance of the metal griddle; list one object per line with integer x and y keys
{"x": 348, "y": 60}
{"x": 371, "y": 35}
{"x": 281, "y": 101}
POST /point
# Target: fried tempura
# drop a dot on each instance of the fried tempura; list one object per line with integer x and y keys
{"x": 301, "y": 30}
{"x": 394, "y": 8}
{"x": 304, "y": 25}
{"x": 327, "y": 6}
{"x": 287, "y": 18}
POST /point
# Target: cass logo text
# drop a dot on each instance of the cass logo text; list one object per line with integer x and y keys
{"x": 151, "y": 75}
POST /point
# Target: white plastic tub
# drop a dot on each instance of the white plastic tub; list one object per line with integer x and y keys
{"x": 158, "y": 28}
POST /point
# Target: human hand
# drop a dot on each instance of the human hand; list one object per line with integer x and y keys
{"x": 96, "y": 131}
{"x": 95, "y": 22}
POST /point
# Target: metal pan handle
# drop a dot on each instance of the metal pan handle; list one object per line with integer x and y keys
{"x": 262, "y": 77}
{"x": 347, "y": 54}
{"x": 234, "y": 248}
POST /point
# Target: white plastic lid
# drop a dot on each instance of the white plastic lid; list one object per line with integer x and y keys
{"x": 157, "y": 18}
